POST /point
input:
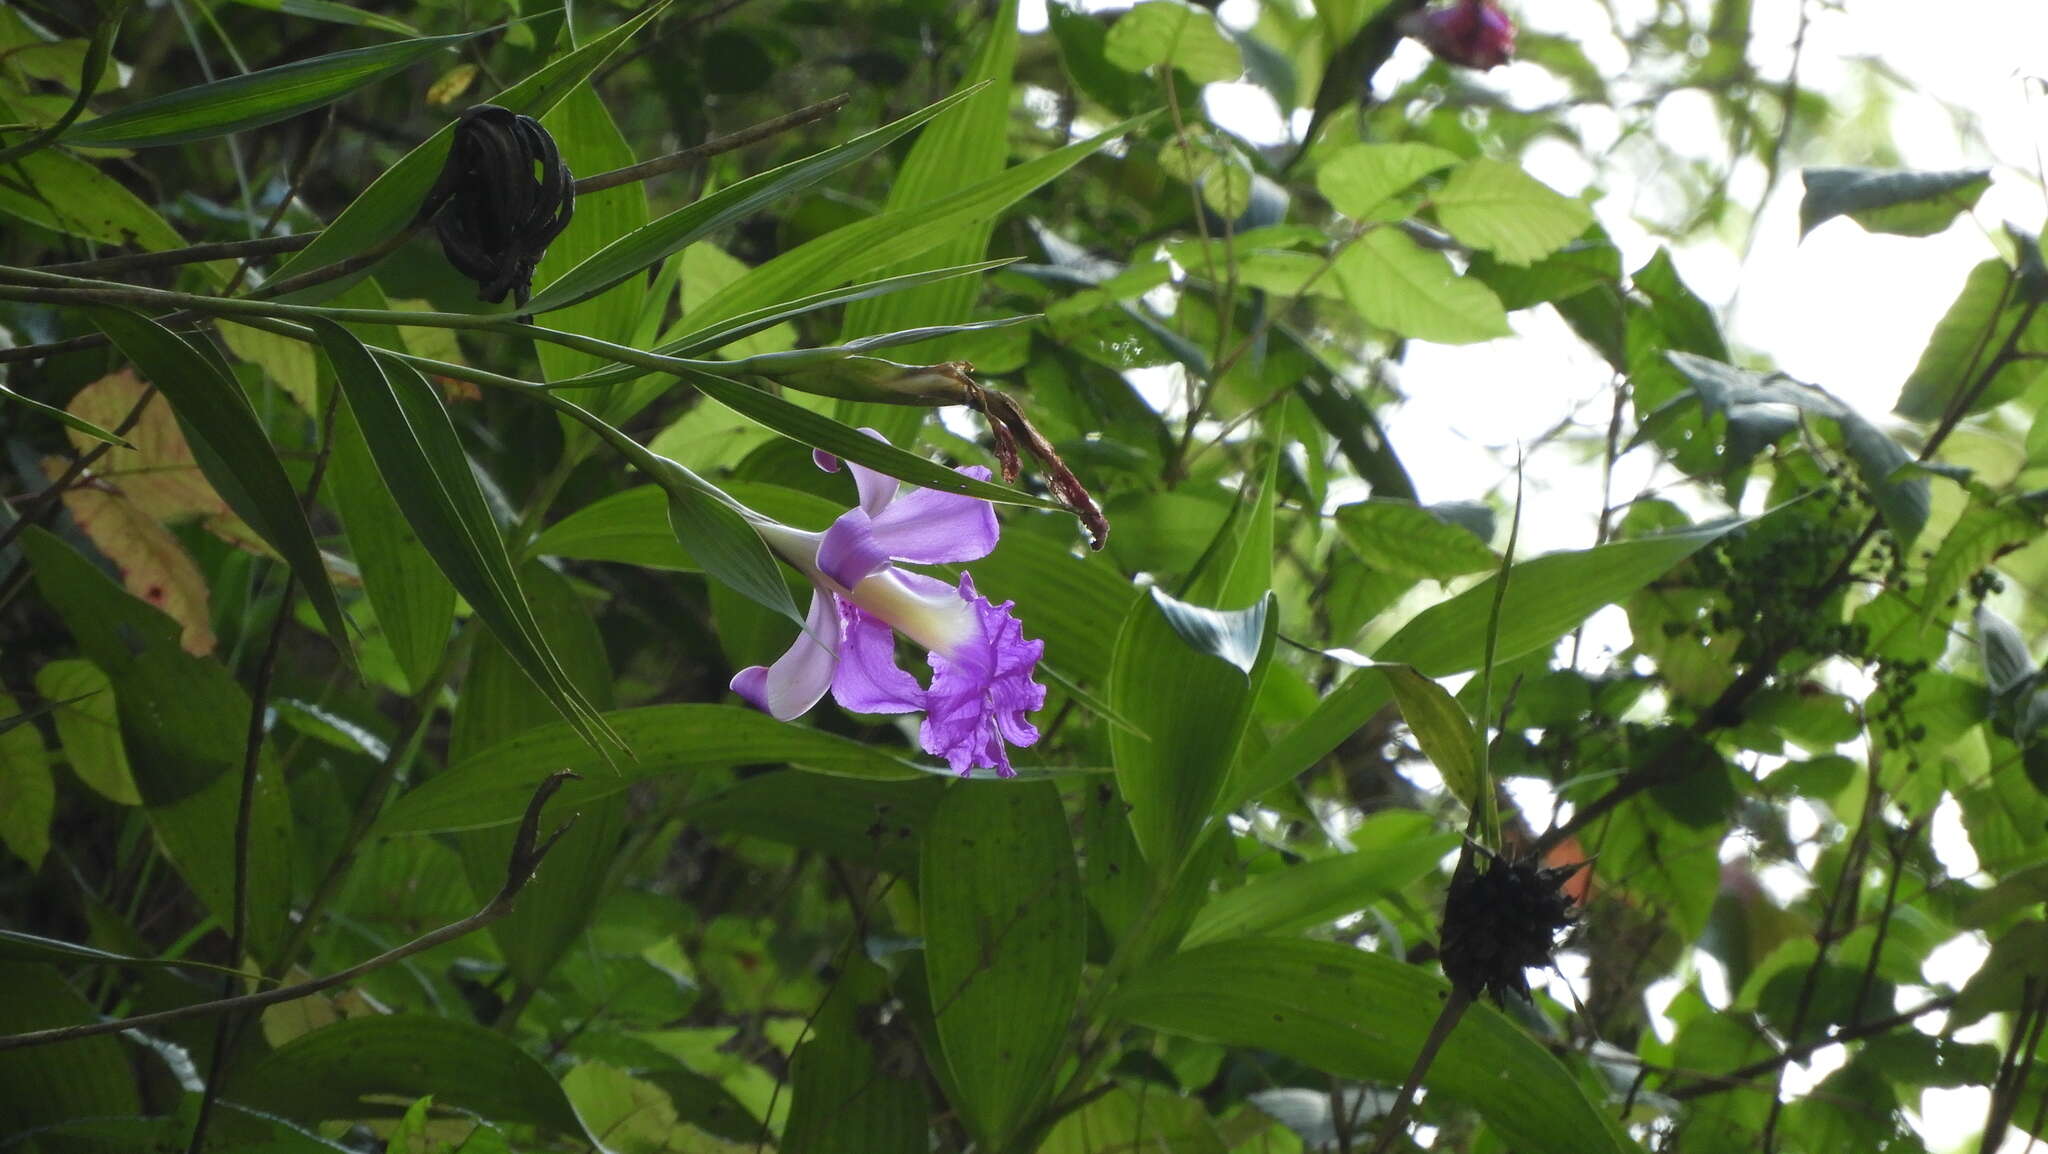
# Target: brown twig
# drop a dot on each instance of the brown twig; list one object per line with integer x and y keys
{"x": 525, "y": 858}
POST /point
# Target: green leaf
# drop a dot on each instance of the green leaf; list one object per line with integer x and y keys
{"x": 1359, "y": 178}
{"x": 64, "y": 194}
{"x": 1408, "y": 540}
{"x": 1901, "y": 496}
{"x": 88, "y": 727}
{"x": 1494, "y": 205}
{"x": 729, "y": 549}
{"x": 422, "y": 462}
{"x": 231, "y": 449}
{"x": 1237, "y": 568}
{"x": 254, "y": 99}
{"x": 351, "y": 1069}
{"x": 1890, "y": 200}
{"x": 393, "y": 199}
{"x": 1362, "y": 1015}
{"x": 1183, "y": 676}
{"x": 493, "y": 786}
{"x": 967, "y": 145}
{"x": 674, "y": 232}
{"x": 590, "y": 142}
{"x": 1962, "y": 345}
{"x": 184, "y": 723}
{"x": 1441, "y": 729}
{"x": 879, "y": 824}
{"x": 1547, "y": 597}
{"x": 847, "y": 1097}
{"x": 1980, "y": 536}
{"x": 1003, "y": 946}
{"x": 1171, "y": 32}
{"x": 28, "y": 794}
{"x": 334, "y": 14}
{"x": 19, "y": 947}
{"x": 64, "y": 418}
{"x": 87, "y": 1078}
{"x": 821, "y": 432}
{"x": 1149, "y": 1119}
{"x": 1318, "y": 891}
{"x": 414, "y": 603}
{"x": 865, "y": 246}
{"x": 1398, "y": 285}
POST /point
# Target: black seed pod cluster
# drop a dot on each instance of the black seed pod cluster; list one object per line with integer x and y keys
{"x": 502, "y": 197}
{"x": 1500, "y": 919}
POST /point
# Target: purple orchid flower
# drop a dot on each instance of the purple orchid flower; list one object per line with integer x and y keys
{"x": 982, "y": 665}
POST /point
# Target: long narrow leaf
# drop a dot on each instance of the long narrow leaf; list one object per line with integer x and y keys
{"x": 415, "y": 448}
{"x": 746, "y": 325}
{"x": 253, "y": 100}
{"x": 232, "y": 451}
{"x": 394, "y": 198}
{"x": 64, "y": 418}
{"x": 672, "y": 233}
{"x": 822, "y": 432}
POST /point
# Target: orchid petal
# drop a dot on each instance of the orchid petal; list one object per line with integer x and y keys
{"x": 788, "y": 688}
{"x": 876, "y": 490}
{"x": 849, "y": 552}
{"x": 929, "y": 527}
{"x": 869, "y": 680}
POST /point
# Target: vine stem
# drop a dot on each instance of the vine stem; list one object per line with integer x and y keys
{"x": 527, "y": 852}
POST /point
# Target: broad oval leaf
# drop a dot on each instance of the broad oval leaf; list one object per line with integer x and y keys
{"x": 255, "y": 99}
{"x": 1494, "y": 205}
{"x": 1183, "y": 677}
{"x": 353, "y": 1068}
{"x": 1361, "y": 1015}
{"x": 1397, "y": 285}
{"x": 1175, "y": 33}
{"x": 1003, "y": 946}
{"x": 1359, "y": 178}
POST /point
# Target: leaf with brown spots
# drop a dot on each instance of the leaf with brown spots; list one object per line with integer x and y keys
{"x": 159, "y": 475}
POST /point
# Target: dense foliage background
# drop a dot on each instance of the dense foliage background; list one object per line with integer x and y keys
{"x": 309, "y": 585}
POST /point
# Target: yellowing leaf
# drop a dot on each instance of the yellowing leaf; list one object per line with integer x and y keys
{"x": 452, "y": 84}
{"x": 1395, "y": 284}
{"x": 28, "y": 798}
{"x": 287, "y": 362}
{"x": 1494, "y": 205}
{"x": 153, "y": 565}
{"x": 159, "y": 475}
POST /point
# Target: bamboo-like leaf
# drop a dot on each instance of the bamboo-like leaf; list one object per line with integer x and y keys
{"x": 68, "y": 420}
{"x": 253, "y": 100}
{"x": 654, "y": 242}
{"x": 393, "y": 199}
{"x": 228, "y": 442}
{"x": 821, "y": 432}
{"x": 334, "y": 14}
{"x": 416, "y": 449}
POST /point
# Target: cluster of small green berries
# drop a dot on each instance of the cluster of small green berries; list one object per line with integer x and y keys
{"x": 1984, "y": 583}
{"x": 1774, "y": 577}
{"x": 1897, "y": 683}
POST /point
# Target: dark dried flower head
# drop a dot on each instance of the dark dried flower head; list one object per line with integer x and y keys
{"x": 1473, "y": 33}
{"x": 503, "y": 196}
{"x": 1501, "y": 918}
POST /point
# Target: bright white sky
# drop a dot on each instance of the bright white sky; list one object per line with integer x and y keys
{"x": 1844, "y": 309}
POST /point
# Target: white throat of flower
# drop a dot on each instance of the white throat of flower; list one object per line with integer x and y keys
{"x": 939, "y": 622}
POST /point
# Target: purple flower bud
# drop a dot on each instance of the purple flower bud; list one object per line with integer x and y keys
{"x": 1472, "y": 33}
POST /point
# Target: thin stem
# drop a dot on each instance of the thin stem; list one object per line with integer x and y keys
{"x": 272, "y": 246}
{"x": 525, "y": 858}
{"x": 1395, "y": 1123}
